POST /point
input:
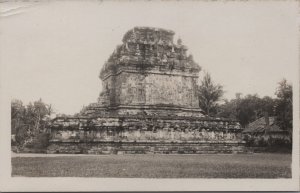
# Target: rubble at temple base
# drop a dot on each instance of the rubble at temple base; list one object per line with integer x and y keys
{"x": 148, "y": 104}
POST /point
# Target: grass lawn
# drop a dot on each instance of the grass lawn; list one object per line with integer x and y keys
{"x": 156, "y": 166}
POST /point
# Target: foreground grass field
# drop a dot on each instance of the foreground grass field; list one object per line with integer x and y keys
{"x": 156, "y": 166}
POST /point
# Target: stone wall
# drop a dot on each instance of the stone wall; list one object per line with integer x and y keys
{"x": 147, "y": 148}
{"x": 135, "y": 133}
{"x": 142, "y": 135}
{"x": 150, "y": 89}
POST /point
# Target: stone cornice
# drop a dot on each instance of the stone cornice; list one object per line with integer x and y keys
{"x": 154, "y": 70}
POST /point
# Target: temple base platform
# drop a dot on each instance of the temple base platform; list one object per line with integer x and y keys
{"x": 145, "y": 134}
{"x": 148, "y": 147}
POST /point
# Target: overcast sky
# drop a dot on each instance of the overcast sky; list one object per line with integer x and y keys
{"x": 55, "y": 50}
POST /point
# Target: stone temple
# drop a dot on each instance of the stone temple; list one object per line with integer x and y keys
{"x": 149, "y": 75}
{"x": 148, "y": 104}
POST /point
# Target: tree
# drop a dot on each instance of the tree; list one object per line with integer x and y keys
{"x": 209, "y": 94}
{"x": 247, "y": 109}
{"x": 228, "y": 109}
{"x": 268, "y": 105}
{"x": 29, "y": 122}
{"x": 251, "y": 107}
{"x": 17, "y": 108}
{"x": 40, "y": 112}
{"x": 284, "y": 105}
{"x": 18, "y": 112}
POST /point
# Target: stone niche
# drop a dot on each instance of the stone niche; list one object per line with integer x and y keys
{"x": 148, "y": 104}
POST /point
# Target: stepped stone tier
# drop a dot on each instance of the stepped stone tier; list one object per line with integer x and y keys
{"x": 148, "y": 104}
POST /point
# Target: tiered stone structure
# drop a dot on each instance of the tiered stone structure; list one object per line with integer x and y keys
{"x": 149, "y": 74}
{"x": 148, "y": 104}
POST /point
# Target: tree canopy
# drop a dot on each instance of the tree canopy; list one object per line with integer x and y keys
{"x": 284, "y": 105}
{"x": 251, "y": 107}
{"x": 29, "y": 121}
{"x": 209, "y": 94}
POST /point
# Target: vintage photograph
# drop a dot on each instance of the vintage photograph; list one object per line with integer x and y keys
{"x": 151, "y": 89}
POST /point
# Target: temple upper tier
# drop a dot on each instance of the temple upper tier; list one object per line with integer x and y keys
{"x": 147, "y": 48}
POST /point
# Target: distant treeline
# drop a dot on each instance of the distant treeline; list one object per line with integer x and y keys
{"x": 250, "y": 107}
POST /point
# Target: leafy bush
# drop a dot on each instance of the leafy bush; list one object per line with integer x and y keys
{"x": 250, "y": 141}
{"x": 267, "y": 143}
{"x": 40, "y": 141}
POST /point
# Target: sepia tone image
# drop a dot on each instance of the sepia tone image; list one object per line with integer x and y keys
{"x": 146, "y": 89}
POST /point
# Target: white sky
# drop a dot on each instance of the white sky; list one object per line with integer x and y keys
{"x": 55, "y": 50}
